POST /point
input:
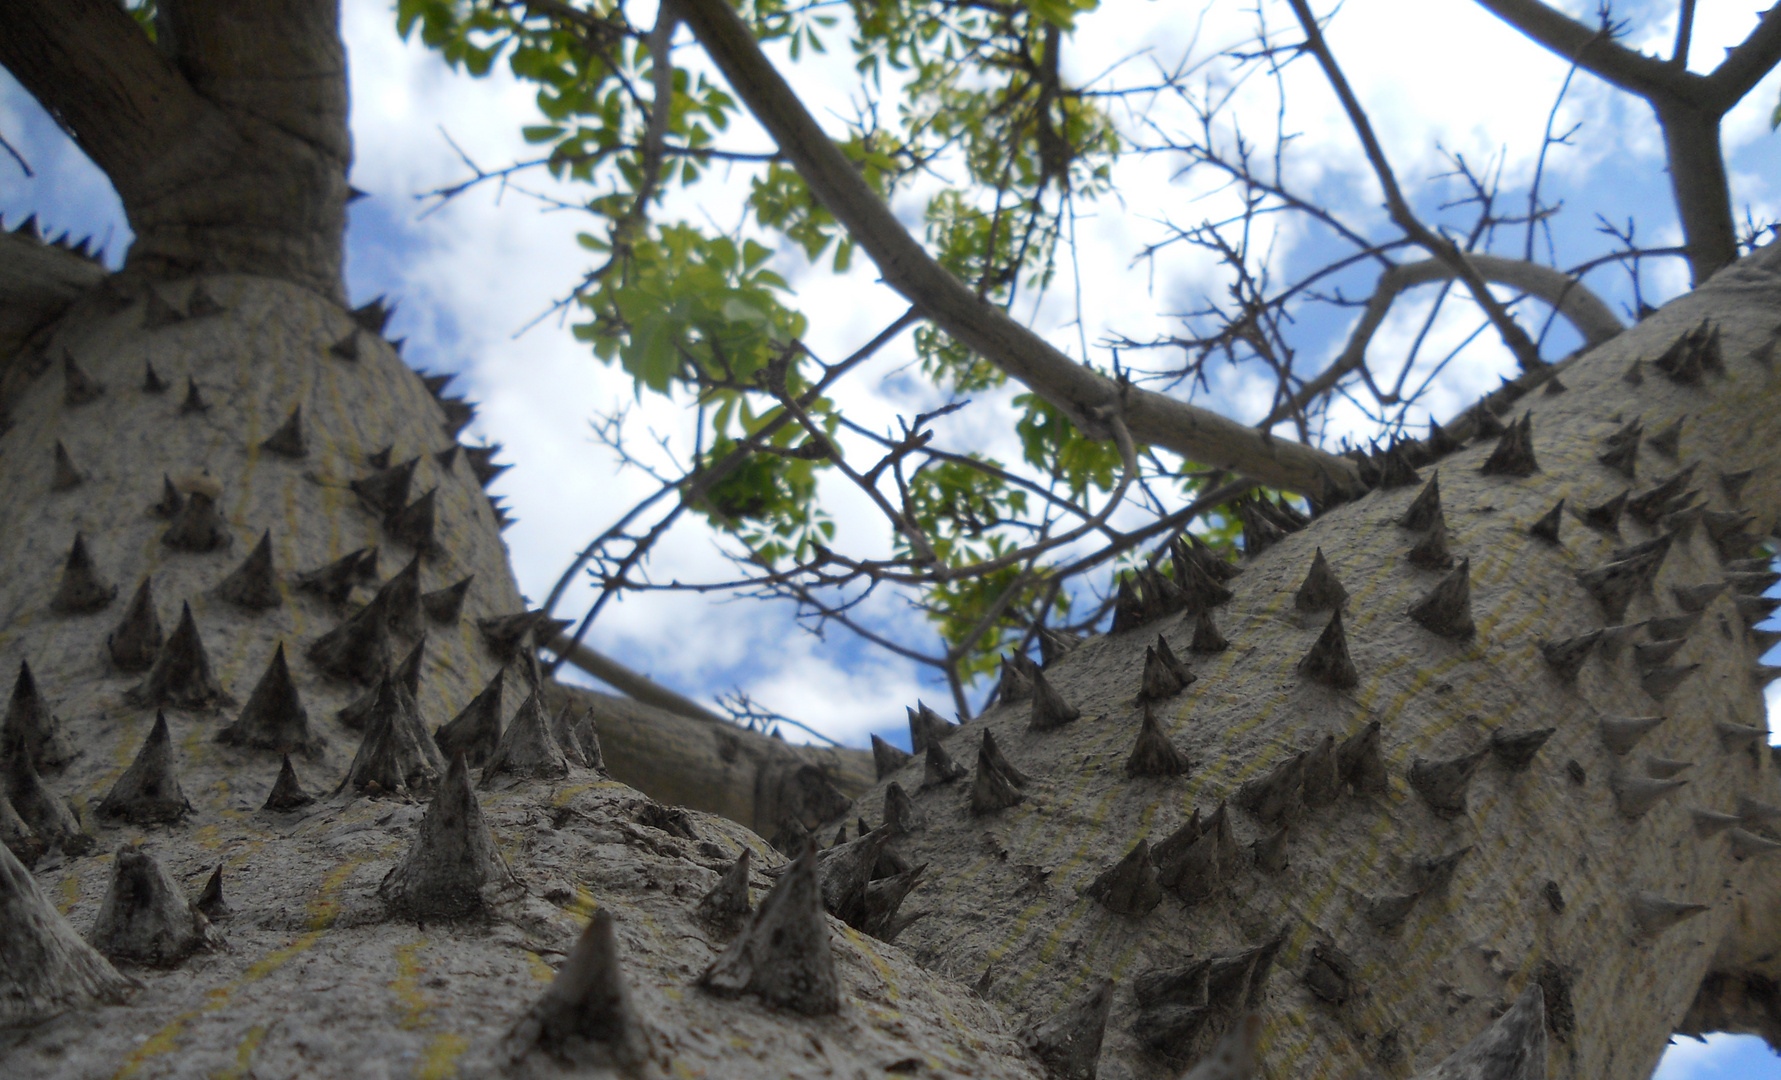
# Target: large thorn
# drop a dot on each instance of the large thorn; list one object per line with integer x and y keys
{"x": 1276, "y": 796}
{"x": 726, "y": 905}
{"x": 562, "y": 729}
{"x": 887, "y": 759}
{"x": 45, "y": 967}
{"x": 1696, "y": 597}
{"x": 385, "y": 491}
{"x": 287, "y": 792}
{"x": 1660, "y": 681}
{"x": 1153, "y": 754}
{"x": 358, "y": 650}
{"x": 181, "y": 675}
{"x": 1516, "y": 750}
{"x": 1709, "y": 823}
{"x": 401, "y": 599}
{"x": 334, "y": 582}
{"x": 274, "y": 717}
{"x": 1511, "y": 1048}
{"x": 48, "y": 816}
{"x": 1129, "y": 887}
{"x": 1360, "y": 761}
{"x": 527, "y": 748}
{"x": 1328, "y": 661}
{"x": 30, "y": 728}
{"x": 990, "y": 789}
{"x": 1653, "y": 503}
{"x": 1425, "y": 509}
{"x": 1605, "y": 517}
{"x": 585, "y": 1019}
{"x": 447, "y": 604}
{"x": 1748, "y": 845}
{"x": 81, "y": 590}
{"x": 374, "y": 316}
{"x": 1662, "y": 768}
{"x": 900, "y": 815}
{"x": 1200, "y": 590}
{"x": 396, "y": 755}
{"x": 1320, "y": 590}
{"x": 1323, "y": 782}
{"x": 198, "y": 527}
{"x": 926, "y": 726}
{"x": 145, "y": 918}
{"x": 1050, "y": 710}
{"x": 1447, "y": 609}
{"x": 1442, "y": 784}
{"x": 254, "y": 584}
{"x": 843, "y": 870}
{"x": 884, "y": 897}
{"x": 452, "y": 864}
{"x": 1164, "y": 675}
{"x": 149, "y": 790}
{"x": 1070, "y": 1043}
{"x": 137, "y": 639}
{"x": 1514, "y": 453}
{"x": 18, "y": 837}
{"x": 1432, "y": 552}
{"x": 784, "y": 956}
{"x": 1734, "y": 736}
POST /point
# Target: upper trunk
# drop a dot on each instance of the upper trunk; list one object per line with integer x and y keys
{"x": 226, "y": 139}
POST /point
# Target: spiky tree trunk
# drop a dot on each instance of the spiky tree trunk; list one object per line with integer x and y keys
{"x": 1538, "y": 756}
{"x": 1426, "y": 876}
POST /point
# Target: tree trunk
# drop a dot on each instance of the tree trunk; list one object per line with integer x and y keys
{"x": 1381, "y": 965}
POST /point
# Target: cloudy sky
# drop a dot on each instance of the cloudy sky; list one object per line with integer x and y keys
{"x": 1437, "y": 76}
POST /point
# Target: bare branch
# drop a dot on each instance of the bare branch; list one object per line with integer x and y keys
{"x": 1582, "y": 308}
{"x": 1090, "y": 399}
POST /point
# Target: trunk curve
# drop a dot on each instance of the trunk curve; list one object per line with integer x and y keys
{"x": 1403, "y": 922}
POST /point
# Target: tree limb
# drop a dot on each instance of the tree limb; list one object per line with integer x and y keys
{"x": 1582, "y": 308}
{"x": 1087, "y": 397}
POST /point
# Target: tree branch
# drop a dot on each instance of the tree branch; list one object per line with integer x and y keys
{"x": 1594, "y": 51}
{"x": 1526, "y": 354}
{"x": 1582, "y": 308}
{"x": 1087, "y": 397}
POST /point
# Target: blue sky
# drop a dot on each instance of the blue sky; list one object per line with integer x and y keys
{"x": 472, "y": 274}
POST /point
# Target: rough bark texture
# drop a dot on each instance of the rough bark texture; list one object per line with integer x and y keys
{"x": 1552, "y": 860}
{"x": 319, "y": 975}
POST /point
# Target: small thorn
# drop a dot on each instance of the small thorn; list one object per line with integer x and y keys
{"x": 940, "y": 768}
{"x": 1621, "y": 733}
{"x": 357, "y": 650}
{"x": 386, "y": 491}
{"x": 900, "y": 815}
{"x": 65, "y": 476}
{"x": 1275, "y": 797}
{"x": 200, "y": 304}
{"x": 1566, "y": 656}
{"x": 1164, "y": 675}
{"x": 453, "y": 859}
{"x": 78, "y": 387}
{"x": 1653, "y": 914}
{"x": 527, "y": 748}
{"x": 210, "y": 899}
{"x": 1622, "y": 454}
{"x": 1605, "y": 517}
{"x": 1635, "y": 795}
{"x": 727, "y": 905}
{"x": 1547, "y": 527}
{"x": 288, "y": 440}
{"x": 1732, "y": 483}
{"x": 1069, "y": 1044}
{"x": 373, "y": 317}
{"x": 1693, "y": 598}
{"x": 1651, "y": 504}
{"x": 396, "y": 756}
{"x": 1206, "y": 637}
{"x": 194, "y": 401}
{"x": 198, "y": 527}
{"x": 1447, "y": 609}
{"x": 1659, "y": 682}
{"x": 1664, "y": 627}
{"x": 287, "y": 793}
{"x": 925, "y": 726}
{"x": 157, "y": 312}
{"x": 1425, "y": 509}
{"x": 1442, "y": 784}
{"x": 1748, "y": 845}
{"x": 334, "y": 582}
{"x": 1739, "y": 736}
{"x": 413, "y": 524}
{"x": 152, "y": 383}
{"x": 1432, "y": 552}
{"x": 1635, "y": 373}
{"x": 172, "y": 502}
{"x": 447, "y": 604}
